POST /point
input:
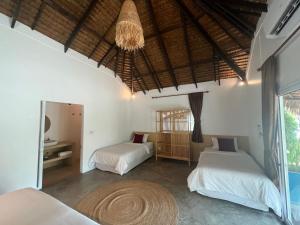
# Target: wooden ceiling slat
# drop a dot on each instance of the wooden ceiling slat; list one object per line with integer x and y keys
{"x": 38, "y": 15}
{"x": 151, "y": 70}
{"x": 102, "y": 38}
{"x": 231, "y": 17}
{"x": 106, "y": 54}
{"x": 188, "y": 48}
{"x": 210, "y": 45}
{"x": 133, "y": 73}
{"x": 218, "y": 22}
{"x": 226, "y": 57}
{"x": 80, "y": 24}
{"x": 162, "y": 44}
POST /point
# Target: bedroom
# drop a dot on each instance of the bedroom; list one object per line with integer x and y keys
{"x": 38, "y": 63}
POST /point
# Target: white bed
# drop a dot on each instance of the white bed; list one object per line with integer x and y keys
{"x": 32, "y": 207}
{"x": 235, "y": 177}
{"x": 123, "y": 157}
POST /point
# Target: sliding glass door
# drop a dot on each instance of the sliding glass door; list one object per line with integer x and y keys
{"x": 290, "y": 155}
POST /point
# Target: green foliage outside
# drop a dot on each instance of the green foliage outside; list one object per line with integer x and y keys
{"x": 292, "y": 141}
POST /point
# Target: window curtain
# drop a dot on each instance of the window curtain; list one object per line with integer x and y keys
{"x": 196, "y": 101}
{"x": 270, "y": 118}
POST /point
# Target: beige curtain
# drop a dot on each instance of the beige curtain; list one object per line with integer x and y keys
{"x": 270, "y": 118}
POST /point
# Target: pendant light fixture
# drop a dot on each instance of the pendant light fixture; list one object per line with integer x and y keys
{"x": 129, "y": 31}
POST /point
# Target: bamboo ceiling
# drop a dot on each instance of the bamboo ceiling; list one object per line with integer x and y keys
{"x": 186, "y": 41}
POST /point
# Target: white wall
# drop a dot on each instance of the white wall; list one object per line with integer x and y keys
{"x": 35, "y": 68}
{"x": 224, "y": 109}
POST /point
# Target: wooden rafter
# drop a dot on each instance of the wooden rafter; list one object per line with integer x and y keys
{"x": 72, "y": 18}
{"x": 38, "y": 15}
{"x": 106, "y": 54}
{"x": 138, "y": 75}
{"x": 15, "y": 13}
{"x": 188, "y": 48}
{"x": 231, "y": 63}
{"x": 150, "y": 66}
{"x": 123, "y": 65}
{"x": 142, "y": 78}
{"x": 219, "y": 23}
{"x": 255, "y": 6}
{"x": 162, "y": 44}
{"x": 102, "y": 38}
{"x": 238, "y": 22}
{"x": 151, "y": 71}
{"x": 194, "y": 64}
{"x": 110, "y": 59}
{"x": 133, "y": 73}
{"x": 116, "y": 62}
{"x": 80, "y": 24}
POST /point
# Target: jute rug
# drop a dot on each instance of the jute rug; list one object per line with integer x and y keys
{"x": 130, "y": 202}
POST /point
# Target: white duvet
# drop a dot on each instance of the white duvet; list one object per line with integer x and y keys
{"x": 123, "y": 157}
{"x": 234, "y": 176}
{"x": 32, "y": 207}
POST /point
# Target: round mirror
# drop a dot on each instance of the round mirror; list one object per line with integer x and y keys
{"x": 47, "y": 123}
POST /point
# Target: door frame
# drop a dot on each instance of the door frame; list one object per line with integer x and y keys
{"x": 283, "y": 167}
{"x": 39, "y": 183}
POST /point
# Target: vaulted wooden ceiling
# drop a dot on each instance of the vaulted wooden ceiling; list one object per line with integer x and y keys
{"x": 186, "y": 41}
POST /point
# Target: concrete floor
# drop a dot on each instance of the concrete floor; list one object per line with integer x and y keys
{"x": 194, "y": 209}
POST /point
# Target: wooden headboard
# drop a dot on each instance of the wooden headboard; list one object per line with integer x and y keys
{"x": 197, "y": 148}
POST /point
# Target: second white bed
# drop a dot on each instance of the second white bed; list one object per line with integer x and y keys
{"x": 121, "y": 158}
{"x": 235, "y": 177}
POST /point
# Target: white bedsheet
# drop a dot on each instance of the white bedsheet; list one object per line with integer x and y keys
{"x": 234, "y": 176}
{"x": 122, "y": 157}
{"x": 31, "y": 207}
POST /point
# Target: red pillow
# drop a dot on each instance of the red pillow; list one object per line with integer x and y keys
{"x": 138, "y": 138}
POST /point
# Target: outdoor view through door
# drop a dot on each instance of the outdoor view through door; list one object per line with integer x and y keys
{"x": 291, "y": 114}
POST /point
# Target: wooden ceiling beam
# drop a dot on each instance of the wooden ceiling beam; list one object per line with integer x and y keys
{"x": 72, "y": 18}
{"x": 116, "y": 62}
{"x": 162, "y": 44}
{"x": 139, "y": 75}
{"x": 193, "y": 64}
{"x": 231, "y": 63}
{"x": 257, "y": 6}
{"x": 219, "y": 23}
{"x": 106, "y": 54}
{"x": 133, "y": 73}
{"x": 15, "y": 13}
{"x": 80, "y": 24}
{"x": 102, "y": 38}
{"x": 123, "y": 65}
{"x": 238, "y": 22}
{"x": 244, "y": 11}
{"x": 38, "y": 15}
{"x": 188, "y": 48}
{"x": 151, "y": 70}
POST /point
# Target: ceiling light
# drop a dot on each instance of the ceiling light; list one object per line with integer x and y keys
{"x": 129, "y": 31}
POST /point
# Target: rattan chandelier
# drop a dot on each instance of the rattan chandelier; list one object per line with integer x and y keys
{"x": 129, "y": 31}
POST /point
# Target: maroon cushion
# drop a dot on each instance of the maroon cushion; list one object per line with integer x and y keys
{"x": 138, "y": 138}
{"x": 226, "y": 144}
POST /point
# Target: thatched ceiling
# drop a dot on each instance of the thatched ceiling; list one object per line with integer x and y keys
{"x": 186, "y": 41}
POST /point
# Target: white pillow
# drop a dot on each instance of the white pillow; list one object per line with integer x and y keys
{"x": 216, "y": 143}
{"x": 145, "y": 138}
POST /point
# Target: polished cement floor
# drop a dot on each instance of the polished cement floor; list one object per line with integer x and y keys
{"x": 194, "y": 209}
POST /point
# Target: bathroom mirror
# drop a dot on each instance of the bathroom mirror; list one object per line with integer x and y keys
{"x": 47, "y": 123}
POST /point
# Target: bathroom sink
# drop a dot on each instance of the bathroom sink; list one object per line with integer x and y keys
{"x": 48, "y": 143}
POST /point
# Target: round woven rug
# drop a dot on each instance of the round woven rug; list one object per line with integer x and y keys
{"x": 130, "y": 203}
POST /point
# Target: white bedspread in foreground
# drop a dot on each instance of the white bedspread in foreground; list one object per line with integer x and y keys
{"x": 31, "y": 207}
{"x": 122, "y": 157}
{"x": 234, "y": 176}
